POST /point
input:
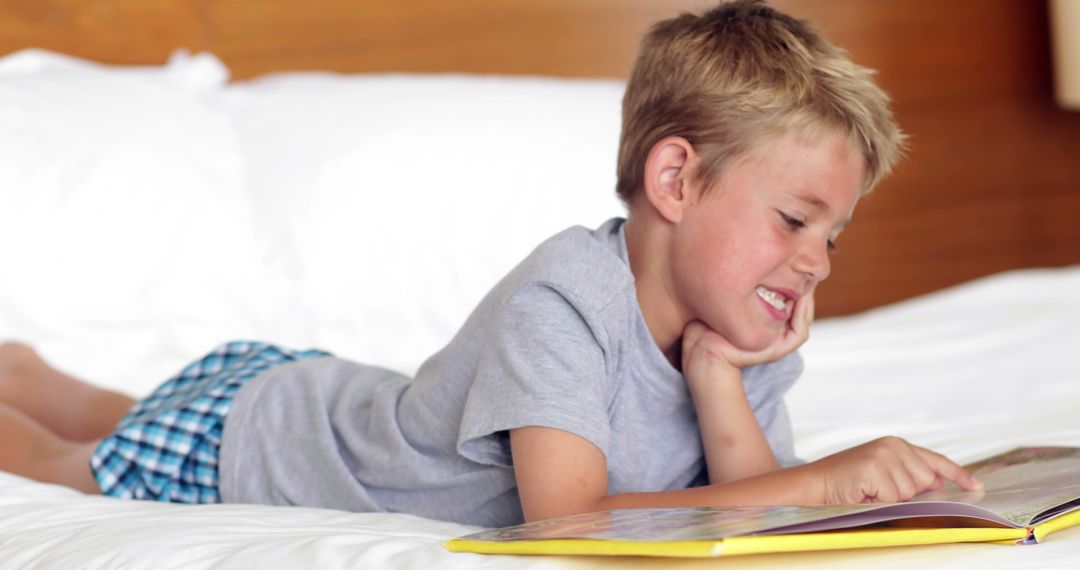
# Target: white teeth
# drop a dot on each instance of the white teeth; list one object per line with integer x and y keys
{"x": 771, "y": 298}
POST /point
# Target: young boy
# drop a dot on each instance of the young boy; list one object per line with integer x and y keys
{"x": 640, "y": 364}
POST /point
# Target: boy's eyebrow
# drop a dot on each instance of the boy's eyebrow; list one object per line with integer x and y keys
{"x": 814, "y": 201}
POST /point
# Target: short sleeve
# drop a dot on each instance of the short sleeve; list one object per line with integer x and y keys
{"x": 544, "y": 367}
{"x": 765, "y": 386}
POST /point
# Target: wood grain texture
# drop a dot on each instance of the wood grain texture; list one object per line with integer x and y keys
{"x": 112, "y": 31}
{"x": 992, "y": 181}
{"x": 573, "y": 38}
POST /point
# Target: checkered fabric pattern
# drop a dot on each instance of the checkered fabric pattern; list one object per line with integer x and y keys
{"x": 166, "y": 448}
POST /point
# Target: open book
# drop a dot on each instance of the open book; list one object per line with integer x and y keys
{"x": 1028, "y": 493}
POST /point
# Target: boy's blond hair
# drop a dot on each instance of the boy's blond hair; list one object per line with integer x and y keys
{"x": 730, "y": 78}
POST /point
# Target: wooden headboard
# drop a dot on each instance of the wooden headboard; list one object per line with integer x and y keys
{"x": 992, "y": 181}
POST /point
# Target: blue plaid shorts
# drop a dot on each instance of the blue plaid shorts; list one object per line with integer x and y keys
{"x": 166, "y": 448}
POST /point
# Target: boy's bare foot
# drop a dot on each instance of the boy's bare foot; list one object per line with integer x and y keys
{"x": 71, "y": 408}
{"x": 30, "y": 450}
{"x": 14, "y": 351}
{"x": 16, "y": 359}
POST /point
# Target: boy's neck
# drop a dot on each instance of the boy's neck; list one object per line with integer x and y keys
{"x": 648, "y": 247}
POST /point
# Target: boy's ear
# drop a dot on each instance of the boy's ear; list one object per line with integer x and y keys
{"x": 669, "y": 172}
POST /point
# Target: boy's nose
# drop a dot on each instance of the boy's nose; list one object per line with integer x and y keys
{"x": 813, "y": 261}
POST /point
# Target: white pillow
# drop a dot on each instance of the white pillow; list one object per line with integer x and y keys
{"x": 397, "y": 201}
{"x": 127, "y": 246}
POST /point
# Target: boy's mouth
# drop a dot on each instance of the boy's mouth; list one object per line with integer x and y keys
{"x": 777, "y": 300}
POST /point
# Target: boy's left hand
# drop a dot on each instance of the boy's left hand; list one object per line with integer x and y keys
{"x": 703, "y": 347}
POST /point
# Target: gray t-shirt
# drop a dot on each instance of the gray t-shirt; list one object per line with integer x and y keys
{"x": 560, "y": 342}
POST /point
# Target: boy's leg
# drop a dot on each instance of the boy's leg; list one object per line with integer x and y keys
{"x": 72, "y": 409}
{"x": 29, "y": 449}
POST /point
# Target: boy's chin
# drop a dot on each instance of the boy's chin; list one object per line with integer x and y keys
{"x": 751, "y": 346}
{"x": 757, "y": 342}
{"x": 752, "y": 336}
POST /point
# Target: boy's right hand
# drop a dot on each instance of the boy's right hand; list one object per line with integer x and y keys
{"x": 887, "y": 470}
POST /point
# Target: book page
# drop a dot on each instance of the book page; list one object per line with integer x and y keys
{"x": 1020, "y": 484}
{"x": 705, "y": 523}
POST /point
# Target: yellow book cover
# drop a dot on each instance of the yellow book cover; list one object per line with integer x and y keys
{"x": 1028, "y": 493}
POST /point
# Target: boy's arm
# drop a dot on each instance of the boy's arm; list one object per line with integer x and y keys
{"x": 735, "y": 446}
{"x": 559, "y": 473}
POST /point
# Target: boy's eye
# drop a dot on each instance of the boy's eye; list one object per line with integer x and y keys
{"x": 797, "y": 224}
{"x": 793, "y": 223}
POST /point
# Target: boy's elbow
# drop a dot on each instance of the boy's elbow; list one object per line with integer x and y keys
{"x": 535, "y": 513}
